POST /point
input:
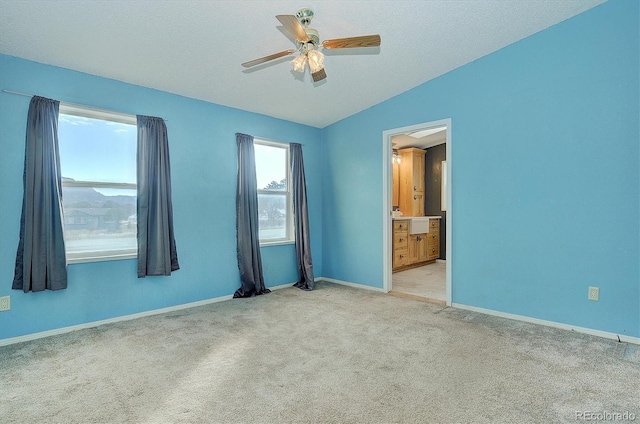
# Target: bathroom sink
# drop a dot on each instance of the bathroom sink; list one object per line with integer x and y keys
{"x": 419, "y": 225}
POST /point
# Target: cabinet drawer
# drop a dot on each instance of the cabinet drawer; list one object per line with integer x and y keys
{"x": 400, "y": 257}
{"x": 402, "y": 225}
{"x": 400, "y": 240}
{"x": 434, "y": 224}
{"x": 433, "y": 238}
{"x": 433, "y": 252}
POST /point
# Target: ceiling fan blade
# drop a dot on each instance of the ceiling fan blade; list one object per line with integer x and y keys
{"x": 344, "y": 43}
{"x": 292, "y": 25}
{"x": 267, "y": 58}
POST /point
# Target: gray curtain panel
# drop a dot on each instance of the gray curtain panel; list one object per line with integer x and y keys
{"x": 249, "y": 259}
{"x": 157, "y": 254}
{"x": 41, "y": 262}
{"x": 301, "y": 218}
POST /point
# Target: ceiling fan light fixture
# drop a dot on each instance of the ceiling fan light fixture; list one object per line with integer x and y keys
{"x": 318, "y": 75}
{"x": 316, "y": 61}
{"x": 299, "y": 62}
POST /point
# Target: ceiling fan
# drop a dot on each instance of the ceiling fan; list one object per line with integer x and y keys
{"x": 308, "y": 42}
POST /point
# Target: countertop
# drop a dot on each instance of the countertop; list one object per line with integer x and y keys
{"x": 397, "y": 218}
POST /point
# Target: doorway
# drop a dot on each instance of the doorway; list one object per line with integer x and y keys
{"x": 387, "y": 149}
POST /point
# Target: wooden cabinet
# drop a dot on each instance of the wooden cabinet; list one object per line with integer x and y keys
{"x": 400, "y": 243}
{"x": 411, "y": 250}
{"x": 411, "y": 182}
{"x": 418, "y": 204}
{"x": 418, "y": 248}
{"x": 433, "y": 239}
{"x": 396, "y": 184}
{"x": 418, "y": 169}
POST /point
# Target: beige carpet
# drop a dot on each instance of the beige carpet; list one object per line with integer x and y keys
{"x": 334, "y": 355}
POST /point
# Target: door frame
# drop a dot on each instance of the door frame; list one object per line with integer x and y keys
{"x": 387, "y": 207}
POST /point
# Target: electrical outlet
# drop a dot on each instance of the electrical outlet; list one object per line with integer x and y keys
{"x": 5, "y": 303}
{"x": 594, "y": 293}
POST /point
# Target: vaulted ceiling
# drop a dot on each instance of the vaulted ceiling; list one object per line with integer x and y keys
{"x": 195, "y": 48}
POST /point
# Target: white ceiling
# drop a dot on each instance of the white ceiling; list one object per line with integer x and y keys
{"x": 403, "y": 141}
{"x": 194, "y": 48}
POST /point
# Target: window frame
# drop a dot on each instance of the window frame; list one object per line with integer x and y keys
{"x": 289, "y": 230}
{"x": 111, "y": 116}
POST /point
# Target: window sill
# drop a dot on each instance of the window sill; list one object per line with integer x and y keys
{"x": 101, "y": 258}
{"x": 277, "y": 243}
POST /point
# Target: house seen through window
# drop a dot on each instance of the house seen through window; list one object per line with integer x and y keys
{"x": 98, "y": 164}
{"x": 274, "y": 192}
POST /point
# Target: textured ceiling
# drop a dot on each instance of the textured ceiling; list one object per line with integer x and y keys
{"x": 194, "y": 48}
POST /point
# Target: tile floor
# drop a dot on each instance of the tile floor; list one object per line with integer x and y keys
{"x": 427, "y": 281}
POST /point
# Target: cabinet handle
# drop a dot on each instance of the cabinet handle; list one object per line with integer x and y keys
{"x": 415, "y": 188}
{"x": 400, "y": 239}
{"x": 401, "y": 256}
{"x": 415, "y": 197}
{"x": 401, "y": 226}
{"x": 433, "y": 236}
{"x": 433, "y": 250}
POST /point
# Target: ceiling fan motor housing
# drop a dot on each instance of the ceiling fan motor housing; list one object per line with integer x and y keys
{"x": 305, "y": 15}
{"x": 313, "y": 35}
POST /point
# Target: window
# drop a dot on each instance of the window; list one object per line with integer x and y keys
{"x": 274, "y": 192}
{"x": 98, "y": 164}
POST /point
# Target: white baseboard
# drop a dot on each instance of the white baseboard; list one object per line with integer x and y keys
{"x": 42, "y": 334}
{"x": 281, "y": 286}
{"x": 590, "y": 331}
{"x": 92, "y": 324}
{"x": 346, "y": 283}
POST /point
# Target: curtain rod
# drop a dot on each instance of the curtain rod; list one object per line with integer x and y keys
{"x": 71, "y": 104}
{"x": 270, "y": 140}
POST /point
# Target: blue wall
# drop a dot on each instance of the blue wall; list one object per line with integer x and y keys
{"x": 203, "y": 160}
{"x": 556, "y": 212}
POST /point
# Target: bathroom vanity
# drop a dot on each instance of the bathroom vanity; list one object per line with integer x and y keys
{"x": 416, "y": 241}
